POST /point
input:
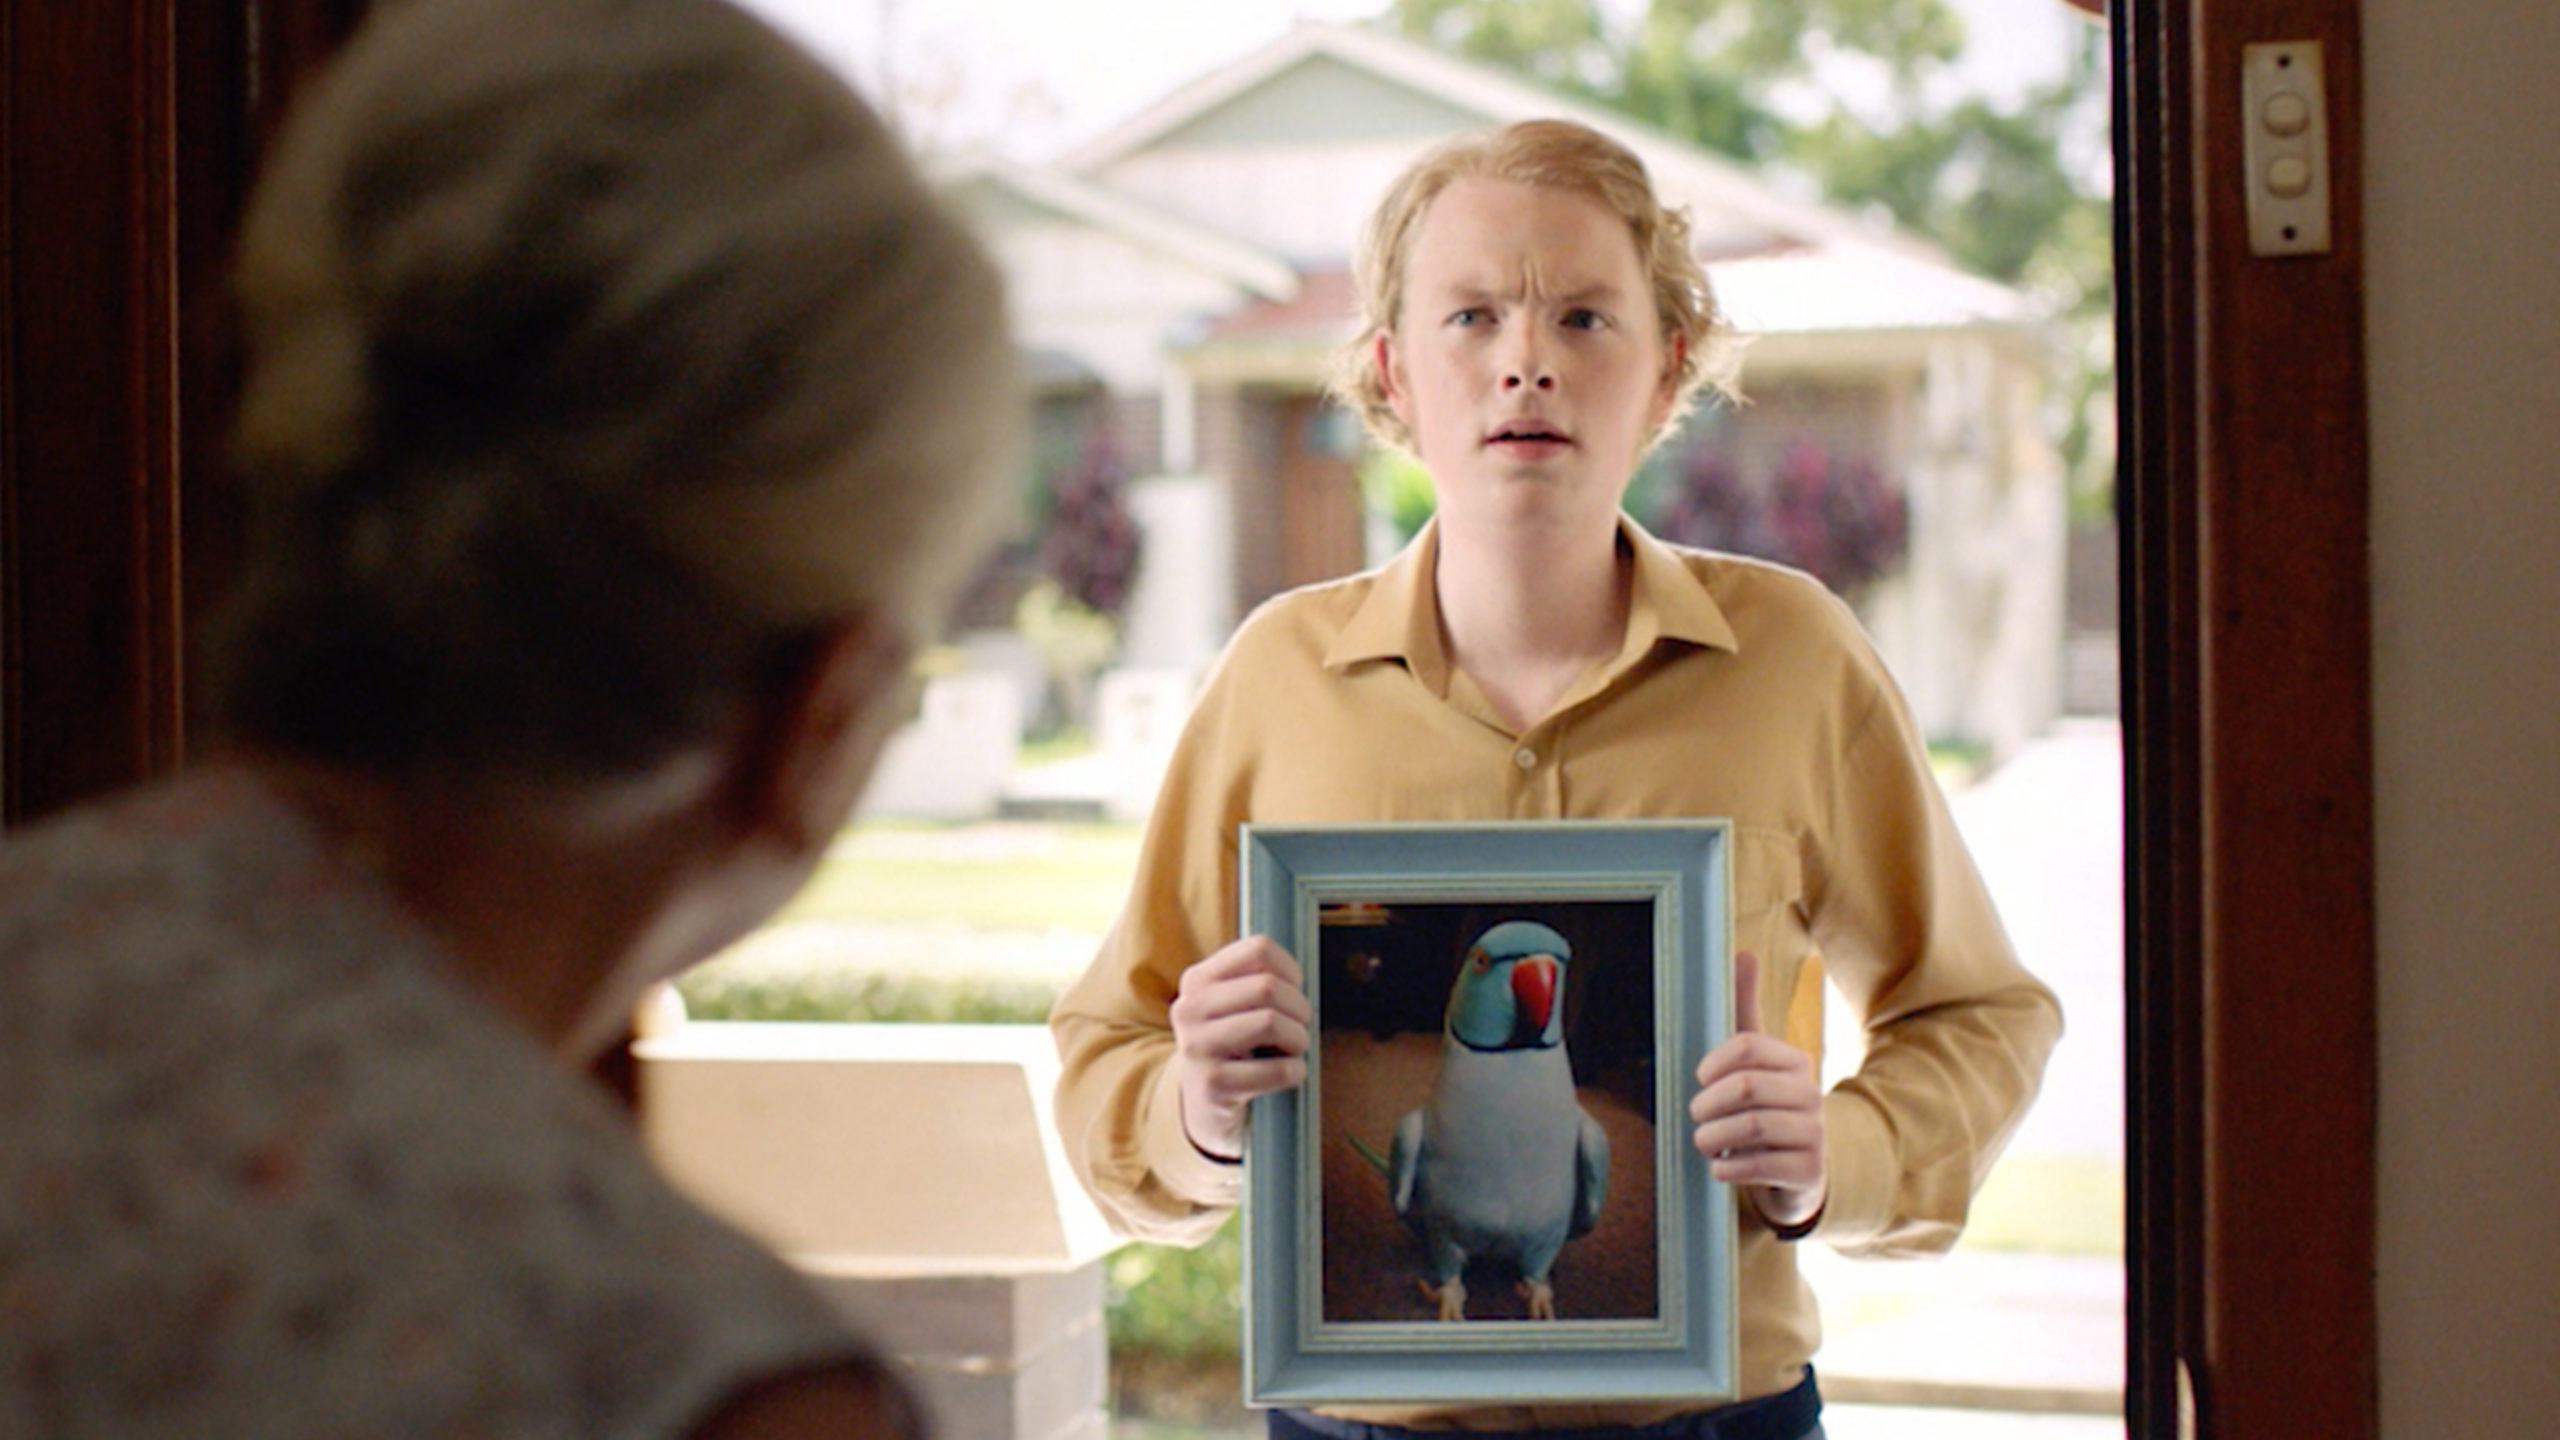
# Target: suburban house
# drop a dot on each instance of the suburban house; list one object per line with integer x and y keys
{"x": 1183, "y": 282}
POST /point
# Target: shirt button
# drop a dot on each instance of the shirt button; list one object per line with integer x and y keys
{"x": 1525, "y": 758}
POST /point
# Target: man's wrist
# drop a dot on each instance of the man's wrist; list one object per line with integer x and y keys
{"x": 1175, "y": 1156}
{"x": 1182, "y": 1102}
{"x": 1788, "y": 1229}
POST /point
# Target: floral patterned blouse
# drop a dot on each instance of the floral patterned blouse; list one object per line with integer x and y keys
{"x": 266, "y": 1171}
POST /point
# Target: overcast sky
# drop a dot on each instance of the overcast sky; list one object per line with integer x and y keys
{"x": 1036, "y": 76}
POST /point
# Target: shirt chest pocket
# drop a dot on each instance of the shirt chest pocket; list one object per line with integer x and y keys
{"x": 1769, "y": 921}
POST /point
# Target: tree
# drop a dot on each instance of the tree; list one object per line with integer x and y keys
{"x": 2010, "y": 191}
{"x": 1716, "y": 72}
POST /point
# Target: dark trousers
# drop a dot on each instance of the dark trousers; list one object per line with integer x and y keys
{"x": 1789, "y": 1415}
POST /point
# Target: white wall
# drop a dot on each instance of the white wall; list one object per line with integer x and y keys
{"x": 1105, "y": 301}
{"x": 1304, "y": 201}
{"x": 2463, "y": 282}
{"x": 1182, "y": 608}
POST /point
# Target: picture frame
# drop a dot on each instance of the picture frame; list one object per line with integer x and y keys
{"x": 1342, "y": 1300}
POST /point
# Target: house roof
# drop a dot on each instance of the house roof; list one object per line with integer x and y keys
{"x": 1071, "y": 197}
{"x": 1780, "y": 264}
{"x": 1733, "y": 208}
{"x": 1323, "y": 310}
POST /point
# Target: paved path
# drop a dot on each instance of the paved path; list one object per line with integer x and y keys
{"x": 1975, "y": 1330}
{"x": 2048, "y": 831}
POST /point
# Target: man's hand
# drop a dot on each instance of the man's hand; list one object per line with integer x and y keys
{"x": 1239, "y": 1030}
{"x": 1759, "y": 1112}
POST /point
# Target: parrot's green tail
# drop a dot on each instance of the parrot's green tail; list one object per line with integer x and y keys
{"x": 1372, "y": 1156}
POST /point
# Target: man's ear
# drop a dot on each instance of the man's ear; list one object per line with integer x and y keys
{"x": 823, "y": 724}
{"x": 1675, "y": 353}
{"x": 1382, "y": 358}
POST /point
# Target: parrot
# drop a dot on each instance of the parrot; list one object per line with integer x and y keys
{"x": 1501, "y": 1161}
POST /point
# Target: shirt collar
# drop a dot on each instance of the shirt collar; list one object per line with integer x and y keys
{"x": 1400, "y": 619}
{"x": 1670, "y": 596}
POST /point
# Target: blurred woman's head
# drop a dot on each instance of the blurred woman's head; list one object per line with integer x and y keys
{"x": 600, "y": 353}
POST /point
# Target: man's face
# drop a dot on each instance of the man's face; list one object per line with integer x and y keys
{"x": 1527, "y": 359}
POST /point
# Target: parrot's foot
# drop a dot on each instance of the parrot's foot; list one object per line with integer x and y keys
{"x": 1452, "y": 1298}
{"x": 1541, "y": 1297}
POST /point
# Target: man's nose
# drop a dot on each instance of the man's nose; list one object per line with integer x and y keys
{"x": 1525, "y": 367}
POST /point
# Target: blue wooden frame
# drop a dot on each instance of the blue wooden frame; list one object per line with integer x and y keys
{"x": 1292, "y": 1354}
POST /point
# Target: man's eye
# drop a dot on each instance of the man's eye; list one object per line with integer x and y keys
{"x": 1583, "y": 320}
{"x": 1472, "y": 315}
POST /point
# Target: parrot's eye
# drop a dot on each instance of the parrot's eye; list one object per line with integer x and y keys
{"x": 1480, "y": 960}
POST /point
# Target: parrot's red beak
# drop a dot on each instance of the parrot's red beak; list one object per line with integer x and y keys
{"x": 1533, "y": 988}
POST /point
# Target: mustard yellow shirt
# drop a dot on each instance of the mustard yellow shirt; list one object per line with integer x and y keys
{"x": 1744, "y": 691}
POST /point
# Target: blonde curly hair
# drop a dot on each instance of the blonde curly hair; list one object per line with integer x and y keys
{"x": 1555, "y": 154}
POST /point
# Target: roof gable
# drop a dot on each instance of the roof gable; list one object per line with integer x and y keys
{"x": 987, "y": 200}
{"x": 1276, "y": 96}
{"x": 1292, "y": 144}
{"x": 1319, "y": 97}
{"x": 998, "y": 194}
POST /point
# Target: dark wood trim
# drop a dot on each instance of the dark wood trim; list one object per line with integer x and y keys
{"x": 2250, "y": 881}
{"x": 88, "y": 477}
{"x": 9, "y": 244}
{"x": 2287, "y": 1019}
{"x": 2157, "y": 579}
{"x": 216, "y": 151}
{"x": 131, "y": 133}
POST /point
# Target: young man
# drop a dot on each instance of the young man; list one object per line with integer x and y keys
{"x": 1535, "y": 322}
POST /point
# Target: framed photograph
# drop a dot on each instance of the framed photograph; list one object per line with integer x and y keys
{"x": 1484, "y": 1192}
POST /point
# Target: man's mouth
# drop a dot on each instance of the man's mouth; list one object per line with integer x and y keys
{"x": 1527, "y": 432}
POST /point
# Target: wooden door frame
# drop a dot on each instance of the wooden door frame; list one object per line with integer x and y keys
{"x": 90, "y": 226}
{"x": 2248, "y": 709}
{"x": 128, "y": 131}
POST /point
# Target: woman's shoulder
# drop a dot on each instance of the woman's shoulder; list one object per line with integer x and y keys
{"x": 296, "y": 1111}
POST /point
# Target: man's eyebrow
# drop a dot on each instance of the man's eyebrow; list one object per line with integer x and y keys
{"x": 1596, "y": 292}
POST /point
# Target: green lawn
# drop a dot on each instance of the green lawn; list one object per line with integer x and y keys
{"x": 1031, "y": 876}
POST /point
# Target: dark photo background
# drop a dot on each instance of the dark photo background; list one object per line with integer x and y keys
{"x": 1383, "y": 987}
